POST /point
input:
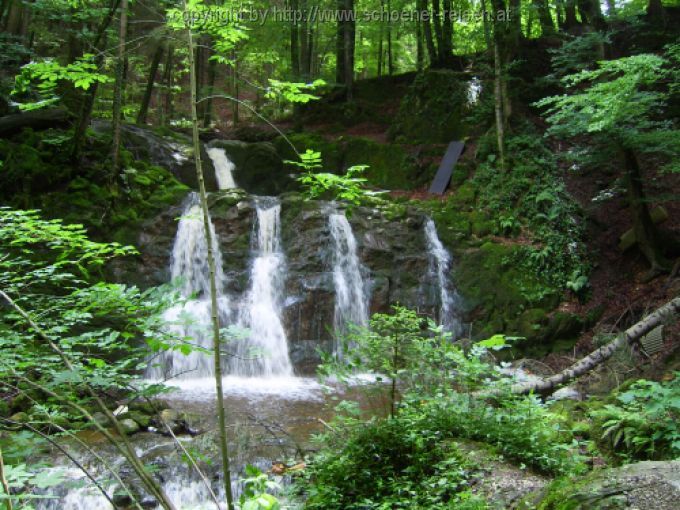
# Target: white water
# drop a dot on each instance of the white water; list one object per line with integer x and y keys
{"x": 265, "y": 351}
{"x": 351, "y": 303}
{"x": 474, "y": 90}
{"x": 190, "y": 320}
{"x": 224, "y": 168}
{"x": 440, "y": 265}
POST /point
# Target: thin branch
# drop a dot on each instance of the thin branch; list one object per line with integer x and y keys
{"x": 67, "y": 454}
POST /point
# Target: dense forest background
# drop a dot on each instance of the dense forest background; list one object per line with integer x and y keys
{"x": 562, "y": 220}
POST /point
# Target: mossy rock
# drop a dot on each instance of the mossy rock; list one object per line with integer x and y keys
{"x": 432, "y": 109}
{"x": 497, "y": 290}
{"x": 644, "y": 486}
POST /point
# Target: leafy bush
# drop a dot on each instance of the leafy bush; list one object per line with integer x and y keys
{"x": 643, "y": 423}
{"x": 532, "y": 195}
{"x": 394, "y": 463}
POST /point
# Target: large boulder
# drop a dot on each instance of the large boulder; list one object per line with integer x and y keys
{"x": 174, "y": 153}
{"x": 650, "y": 485}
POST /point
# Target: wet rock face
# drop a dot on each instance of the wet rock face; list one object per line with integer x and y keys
{"x": 392, "y": 250}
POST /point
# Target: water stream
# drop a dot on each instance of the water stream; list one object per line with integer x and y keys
{"x": 224, "y": 168}
{"x": 351, "y": 301}
{"x": 440, "y": 266}
{"x": 265, "y": 353}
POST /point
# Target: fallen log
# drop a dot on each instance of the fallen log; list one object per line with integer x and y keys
{"x": 595, "y": 358}
{"x": 36, "y": 119}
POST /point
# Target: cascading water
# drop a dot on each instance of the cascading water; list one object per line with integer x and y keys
{"x": 351, "y": 303}
{"x": 190, "y": 320}
{"x": 265, "y": 352}
{"x": 224, "y": 168}
{"x": 440, "y": 264}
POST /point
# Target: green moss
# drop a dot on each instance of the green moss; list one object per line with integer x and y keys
{"x": 481, "y": 224}
{"x": 432, "y": 108}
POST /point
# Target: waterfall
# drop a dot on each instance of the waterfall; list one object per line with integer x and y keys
{"x": 224, "y": 168}
{"x": 474, "y": 90}
{"x": 351, "y": 303}
{"x": 190, "y": 320}
{"x": 440, "y": 264}
{"x": 265, "y": 352}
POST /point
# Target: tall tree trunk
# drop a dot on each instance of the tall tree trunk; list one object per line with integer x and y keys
{"x": 118, "y": 90}
{"x": 543, "y": 10}
{"x": 146, "y": 99}
{"x": 570, "y": 14}
{"x": 350, "y": 34}
{"x": 380, "y": 40}
{"x": 15, "y": 14}
{"x": 646, "y": 234}
{"x": 390, "y": 55}
{"x": 295, "y": 42}
{"x": 498, "y": 103}
{"x": 234, "y": 89}
{"x": 340, "y": 45}
{"x": 486, "y": 25}
{"x": 427, "y": 31}
{"x": 447, "y": 33}
{"x": 167, "y": 84}
{"x": 88, "y": 104}
{"x": 437, "y": 21}
{"x": 420, "y": 57}
{"x": 209, "y": 91}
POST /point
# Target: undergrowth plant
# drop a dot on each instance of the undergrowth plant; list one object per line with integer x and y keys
{"x": 643, "y": 422}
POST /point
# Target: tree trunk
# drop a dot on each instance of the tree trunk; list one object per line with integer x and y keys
{"x": 294, "y": 42}
{"x": 427, "y": 32}
{"x": 544, "y": 17}
{"x": 167, "y": 84}
{"x": 350, "y": 33}
{"x": 390, "y": 55}
{"x": 380, "y": 40}
{"x": 209, "y": 91}
{"x": 217, "y": 344}
{"x": 645, "y": 231}
{"x": 88, "y": 103}
{"x": 570, "y": 14}
{"x": 340, "y": 45}
{"x": 447, "y": 33}
{"x": 146, "y": 99}
{"x": 118, "y": 90}
{"x": 437, "y": 20}
{"x": 420, "y": 57}
{"x": 595, "y": 358}
{"x": 498, "y": 104}
{"x": 234, "y": 89}
{"x": 655, "y": 9}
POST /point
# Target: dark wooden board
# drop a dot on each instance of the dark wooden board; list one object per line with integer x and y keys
{"x": 443, "y": 177}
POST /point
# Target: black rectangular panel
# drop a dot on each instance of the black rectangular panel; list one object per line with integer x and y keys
{"x": 443, "y": 177}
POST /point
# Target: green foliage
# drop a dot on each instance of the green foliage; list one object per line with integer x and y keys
{"x": 293, "y": 92}
{"x": 643, "y": 423}
{"x": 47, "y": 268}
{"x": 349, "y": 188}
{"x": 532, "y": 198}
{"x": 395, "y": 463}
{"x": 621, "y": 104}
{"x": 43, "y": 76}
{"x": 411, "y": 460}
{"x": 256, "y": 491}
